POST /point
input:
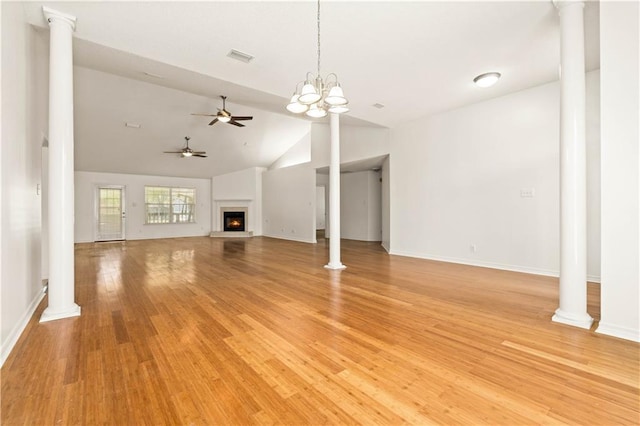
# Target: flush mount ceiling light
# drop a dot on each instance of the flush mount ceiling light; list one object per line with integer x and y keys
{"x": 487, "y": 79}
{"x": 317, "y": 97}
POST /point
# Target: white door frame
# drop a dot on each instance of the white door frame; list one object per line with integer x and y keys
{"x": 96, "y": 210}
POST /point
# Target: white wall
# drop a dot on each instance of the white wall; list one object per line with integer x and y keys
{"x": 456, "y": 181}
{"x": 374, "y": 219}
{"x": 323, "y": 180}
{"x": 44, "y": 204}
{"x": 620, "y": 106}
{"x": 298, "y": 154}
{"x": 288, "y": 207}
{"x": 386, "y": 206}
{"x": 321, "y": 207}
{"x": 244, "y": 185}
{"x": 360, "y": 206}
{"x": 24, "y": 106}
{"x": 356, "y": 143}
{"x": 135, "y": 228}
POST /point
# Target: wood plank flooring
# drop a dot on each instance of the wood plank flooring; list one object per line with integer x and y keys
{"x": 211, "y": 331}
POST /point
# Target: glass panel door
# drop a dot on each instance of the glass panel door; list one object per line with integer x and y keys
{"x": 110, "y": 213}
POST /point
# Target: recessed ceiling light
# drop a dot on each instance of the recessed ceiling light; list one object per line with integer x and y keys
{"x": 379, "y": 106}
{"x": 487, "y": 79}
{"x": 240, "y": 56}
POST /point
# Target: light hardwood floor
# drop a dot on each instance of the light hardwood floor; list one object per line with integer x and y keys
{"x": 238, "y": 331}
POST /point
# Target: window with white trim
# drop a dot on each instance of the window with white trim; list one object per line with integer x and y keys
{"x": 165, "y": 204}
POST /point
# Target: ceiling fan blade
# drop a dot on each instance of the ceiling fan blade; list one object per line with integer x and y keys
{"x": 206, "y": 115}
{"x": 235, "y": 123}
{"x": 214, "y": 121}
{"x": 199, "y": 152}
{"x": 199, "y": 155}
{"x": 173, "y": 152}
{"x": 241, "y": 118}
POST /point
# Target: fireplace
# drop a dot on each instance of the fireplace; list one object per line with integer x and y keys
{"x": 233, "y": 221}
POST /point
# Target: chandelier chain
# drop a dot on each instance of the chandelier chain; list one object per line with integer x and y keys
{"x": 318, "y": 18}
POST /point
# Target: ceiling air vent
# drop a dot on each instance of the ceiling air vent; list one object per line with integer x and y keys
{"x": 379, "y": 106}
{"x": 240, "y": 56}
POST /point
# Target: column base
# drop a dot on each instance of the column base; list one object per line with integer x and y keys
{"x": 563, "y": 317}
{"x": 50, "y": 315}
{"x": 335, "y": 266}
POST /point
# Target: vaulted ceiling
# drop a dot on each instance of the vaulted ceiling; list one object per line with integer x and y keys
{"x": 415, "y": 58}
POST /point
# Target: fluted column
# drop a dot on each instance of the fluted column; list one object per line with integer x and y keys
{"x": 334, "y": 196}
{"x": 61, "y": 195}
{"x": 573, "y": 168}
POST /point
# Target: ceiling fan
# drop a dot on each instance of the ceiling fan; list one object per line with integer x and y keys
{"x": 188, "y": 152}
{"x": 225, "y": 116}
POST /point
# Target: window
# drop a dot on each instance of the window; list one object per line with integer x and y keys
{"x": 169, "y": 205}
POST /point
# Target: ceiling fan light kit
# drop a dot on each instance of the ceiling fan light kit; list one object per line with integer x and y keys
{"x": 317, "y": 96}
{"x": 187, "y": 152}
{"x": 225, "y": 116}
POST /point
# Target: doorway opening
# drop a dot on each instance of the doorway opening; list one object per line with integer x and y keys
{"x": 321, "y": 212}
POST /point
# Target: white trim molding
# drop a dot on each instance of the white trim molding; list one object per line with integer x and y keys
{"x": 618, "y": 331}
{"x": 12, "y": 339}
{"x": 492, "y": 265}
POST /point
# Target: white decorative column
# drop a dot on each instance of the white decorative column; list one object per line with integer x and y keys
{"x": 61, "y": 197}
{"x": 334, "y": 196}
{"x": 573, "y": 169}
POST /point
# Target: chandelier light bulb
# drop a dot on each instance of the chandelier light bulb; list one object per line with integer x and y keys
{"x": 316, "y": 112}
{"x": 309, "y": 94}
{"x": 296, "y": 107}
{"x": 339, "y": 109}
{"x": 336, "y": 96}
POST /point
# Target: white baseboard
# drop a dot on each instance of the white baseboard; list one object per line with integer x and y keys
{"x": 385, "y": 247}
{"x": 12, "y": 339}
{"x": 282, "y": 237}
{"x": 593, "y": 278}
{"x": 492, "y": 265}
{"x": 618, "y": 331}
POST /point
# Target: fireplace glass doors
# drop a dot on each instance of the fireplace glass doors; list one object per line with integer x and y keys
{"x": 233, "y": 221}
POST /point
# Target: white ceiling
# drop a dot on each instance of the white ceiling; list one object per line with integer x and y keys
{"x": 416, "y": 58}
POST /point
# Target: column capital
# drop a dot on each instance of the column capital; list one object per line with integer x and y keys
{"x": 52, "y": 15}
{"x": 559, "y": 4}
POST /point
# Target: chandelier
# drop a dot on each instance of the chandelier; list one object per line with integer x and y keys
{"x": 318, "y": 96}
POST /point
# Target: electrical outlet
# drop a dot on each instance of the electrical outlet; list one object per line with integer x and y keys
{"x": 472, "y": 248}
{"x": 527, "y": 192}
